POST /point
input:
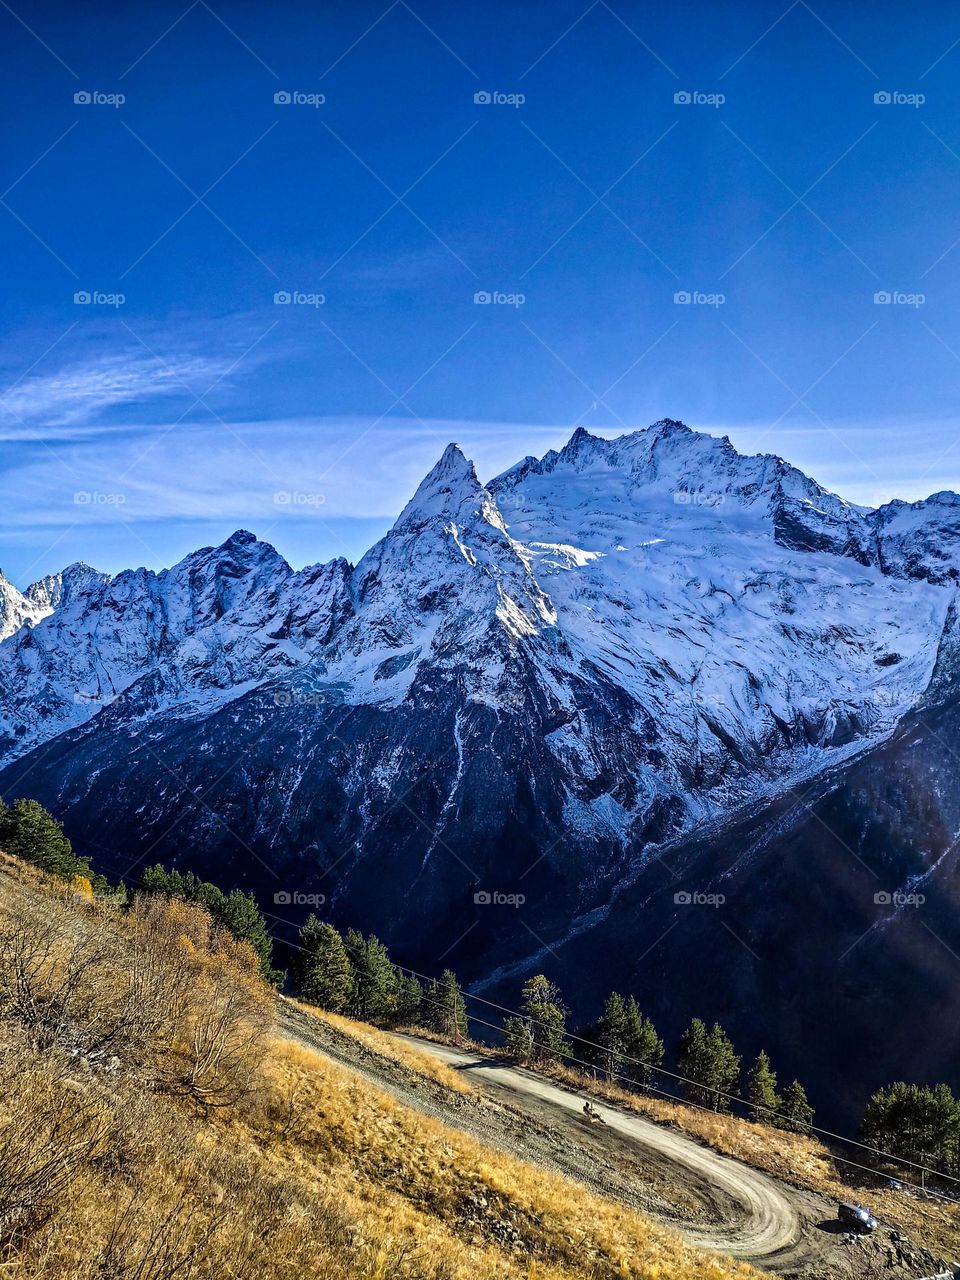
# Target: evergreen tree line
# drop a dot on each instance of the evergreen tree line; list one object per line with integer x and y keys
{"x": 354, "y": 975}
{"x": 29, "y": 832}
{"x": 916, "y": 1122}
{"x": 625, "y": 1045}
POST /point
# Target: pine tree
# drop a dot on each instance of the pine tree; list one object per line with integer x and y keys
{"x": 409, "y": 1010}
{"x": 373, "y": 990}
{"x": 321, "y": 968}
{"x": 611, "y": 1033}
{"x": 709, "y": 1061}
{"x": 29, "y": 832}
{"x": 725, "y": 1068}
{"x": 643, "y": 1048}
{"x": 797, "y": 1111}
{"x": 543, "y": 1006}
{"x": 762, "y": 1091}
{"x": 694, "y": 1061}
{"x": 450, "y": 1017}
{"x": 518, "y": 1040}
{"x": 431, "y": 1005}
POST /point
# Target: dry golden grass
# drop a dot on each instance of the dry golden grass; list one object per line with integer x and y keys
{"x": 418, "y": 1061}
{"x": 483, "y": 1199}
{"x": 153, "y": 1127}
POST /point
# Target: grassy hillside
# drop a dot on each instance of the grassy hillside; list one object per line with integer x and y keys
{"x": 155, "y": 1125}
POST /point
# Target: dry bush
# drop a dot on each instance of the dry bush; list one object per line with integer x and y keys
{"x": 48, "y": 1138}
{"x": 61, "y": 976}
{"x": 205, "y": 1008}
{"x": 161, "y": 991}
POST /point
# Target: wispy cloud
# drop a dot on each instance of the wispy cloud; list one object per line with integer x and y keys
{"x": 81, "y": 394}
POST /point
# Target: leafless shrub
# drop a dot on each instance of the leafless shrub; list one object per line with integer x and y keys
{"x": 142, "y": 1245}
{"x": 48, "y": 1136}
{"x": 62, "y": 977}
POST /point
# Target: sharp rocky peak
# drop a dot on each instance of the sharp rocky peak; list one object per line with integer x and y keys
{"x": 443, "y": 490}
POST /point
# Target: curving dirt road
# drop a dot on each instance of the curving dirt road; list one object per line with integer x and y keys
{"x": 761, "y": 1222}
{"x": 714, "y": 1201}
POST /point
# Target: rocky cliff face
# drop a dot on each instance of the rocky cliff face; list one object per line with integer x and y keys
{"x": 531, "y": 686}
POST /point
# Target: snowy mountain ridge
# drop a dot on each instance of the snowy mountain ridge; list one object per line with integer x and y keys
{"x": 671, "y": 628}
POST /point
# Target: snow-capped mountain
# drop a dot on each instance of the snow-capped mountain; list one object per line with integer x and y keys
{"x": 18, "y": 609}
{"x": 535, "y": 684}
{"x": 751, "y": 626}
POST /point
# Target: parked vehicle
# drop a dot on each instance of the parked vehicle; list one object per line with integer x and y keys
{"x": 857, "y": 1217}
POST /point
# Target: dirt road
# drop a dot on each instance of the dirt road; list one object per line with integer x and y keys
{"x": 762, "y": 1220}
{"x": 713, "y": 1200}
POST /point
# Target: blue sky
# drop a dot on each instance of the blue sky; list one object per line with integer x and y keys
{"x": 133, "y": 431}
